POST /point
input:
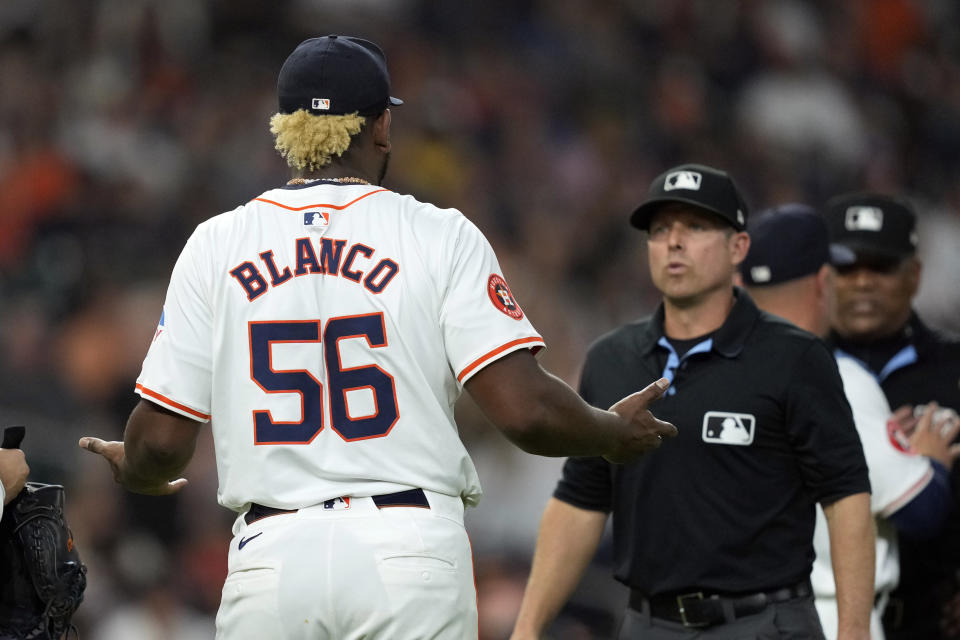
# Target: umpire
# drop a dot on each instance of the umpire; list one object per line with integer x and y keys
{"x": 874, "y": 322}
{"x": 713, "y": 532}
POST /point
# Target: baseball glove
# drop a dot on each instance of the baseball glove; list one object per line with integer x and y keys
{"x": 41, "y": 576}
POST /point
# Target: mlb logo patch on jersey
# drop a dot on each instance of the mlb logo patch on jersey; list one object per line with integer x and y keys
{"x": 316, "y": 219}
{"x": 322, "y": 104}
{"x": 501, "y": 297}
{"x": 337, "y": 504}
{"x": 682, "y": 180}
{"x": 722, "y": 427}
{"x": 864, "y": 219}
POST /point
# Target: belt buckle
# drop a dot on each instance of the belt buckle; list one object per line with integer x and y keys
{"x": 698, "y": 595}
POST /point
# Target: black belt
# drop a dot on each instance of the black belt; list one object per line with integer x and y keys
{"x": 699, "y": 609}
{"x": 408, "y": 498}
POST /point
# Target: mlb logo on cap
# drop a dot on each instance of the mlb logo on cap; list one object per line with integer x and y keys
{"x": 697, "y": 185}
{"x": 682, "y": 180}
{"x": 322, "y": 104}
{"x": 864, "y": 219}
{"x": 873, "y": 225}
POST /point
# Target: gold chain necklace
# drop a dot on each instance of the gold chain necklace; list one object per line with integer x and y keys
{"x": 340, "y": 180}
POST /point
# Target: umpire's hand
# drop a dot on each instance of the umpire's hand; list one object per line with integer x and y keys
{"x": 647, "y": 431}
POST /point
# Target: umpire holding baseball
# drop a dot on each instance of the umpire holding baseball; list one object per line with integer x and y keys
{"x": 874, "y": 322}
{"x": 713, "y": 532}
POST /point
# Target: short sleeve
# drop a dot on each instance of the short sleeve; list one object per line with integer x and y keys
{"x": 896, "y": 476}
{"x": 176, "y": 372}
{"x": 587, "y": 483}
{"x": 480, "y": 319}
{"x": 821, "y": 428}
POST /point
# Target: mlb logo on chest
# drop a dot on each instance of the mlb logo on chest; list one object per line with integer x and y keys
{"x": 318, "y": 220}
{"x": 724, "y": 427}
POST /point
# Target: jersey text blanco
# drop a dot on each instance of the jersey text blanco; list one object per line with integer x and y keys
{"x": 326, "y": 332}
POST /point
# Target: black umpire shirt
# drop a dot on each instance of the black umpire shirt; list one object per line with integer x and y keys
{"x": 765, "y": 432}
{"x": 916, "y": 366}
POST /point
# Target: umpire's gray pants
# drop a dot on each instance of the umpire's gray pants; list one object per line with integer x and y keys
{"x": 791, "y": 620}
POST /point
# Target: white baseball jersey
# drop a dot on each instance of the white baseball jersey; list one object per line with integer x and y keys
{"x": 326, "y": 331}
{"x": 895, "y": 478}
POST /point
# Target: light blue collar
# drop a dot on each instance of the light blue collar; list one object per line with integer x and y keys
{"x": 674, "y": 362}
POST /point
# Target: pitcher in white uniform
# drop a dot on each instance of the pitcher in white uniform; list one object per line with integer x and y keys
{"x": 325, "y": 329}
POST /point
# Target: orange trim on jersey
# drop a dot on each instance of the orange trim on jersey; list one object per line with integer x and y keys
{"x": 908, "y": 495}
{"x": 479, "y": 361}
{"x": 164, "y": 399}
{"x": 339, "y": 207}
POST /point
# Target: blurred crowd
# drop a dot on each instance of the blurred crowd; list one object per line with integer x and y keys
{"x": 125, "y": 123}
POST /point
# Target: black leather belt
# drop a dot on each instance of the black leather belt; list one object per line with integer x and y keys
{"x": 699, "y": 609}
{"x": 408, "y": 498}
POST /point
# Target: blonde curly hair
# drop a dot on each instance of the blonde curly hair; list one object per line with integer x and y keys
{"x": 309, "y": 142}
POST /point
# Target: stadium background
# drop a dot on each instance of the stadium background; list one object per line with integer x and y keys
{"x": 124, "y": 123}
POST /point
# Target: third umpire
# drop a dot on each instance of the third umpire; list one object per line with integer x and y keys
{"x": 874, "y": 322}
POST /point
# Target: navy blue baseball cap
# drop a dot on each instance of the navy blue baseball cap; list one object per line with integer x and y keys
{"x": 697, "y": 185}
{"x": 335, "y": 75}
{"x": 788, "y": 242}
{"x": 873, "y": 225}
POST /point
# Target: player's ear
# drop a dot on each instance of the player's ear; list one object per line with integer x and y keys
{"x": 739, "y": 246}
{"x": 825, "y": 281}
{"x": 381, "y": 132}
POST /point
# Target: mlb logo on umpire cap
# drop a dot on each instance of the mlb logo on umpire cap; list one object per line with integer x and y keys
{"x": 682, "y": 180}
{"x": 322, "y": 104}
{"x": 873, "y": 225}
{"x": 698, "y": 185}
{"x": 864, "y": 218}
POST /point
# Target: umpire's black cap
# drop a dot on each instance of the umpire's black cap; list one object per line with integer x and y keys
{"x": 335, "y": 75}
{"x": 788, "y": 242}
{"x": 695, "y": 184}
{"x": 873, "y": 225}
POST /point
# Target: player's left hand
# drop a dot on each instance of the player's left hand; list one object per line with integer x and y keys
{"x": 115, "y": 454}
{"x": 934, "y": 434}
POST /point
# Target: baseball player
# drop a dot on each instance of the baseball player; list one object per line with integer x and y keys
{"x": 325, "y": 329}
{"x": 789, "y": 272}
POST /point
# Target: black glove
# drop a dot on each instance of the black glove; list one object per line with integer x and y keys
{"x": 41, "y": 576}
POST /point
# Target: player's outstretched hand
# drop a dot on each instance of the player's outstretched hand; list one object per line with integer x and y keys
{"x": 934, "y": 434}
{"x": 115, "y": 454}
{"x": 647, "y": 431}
